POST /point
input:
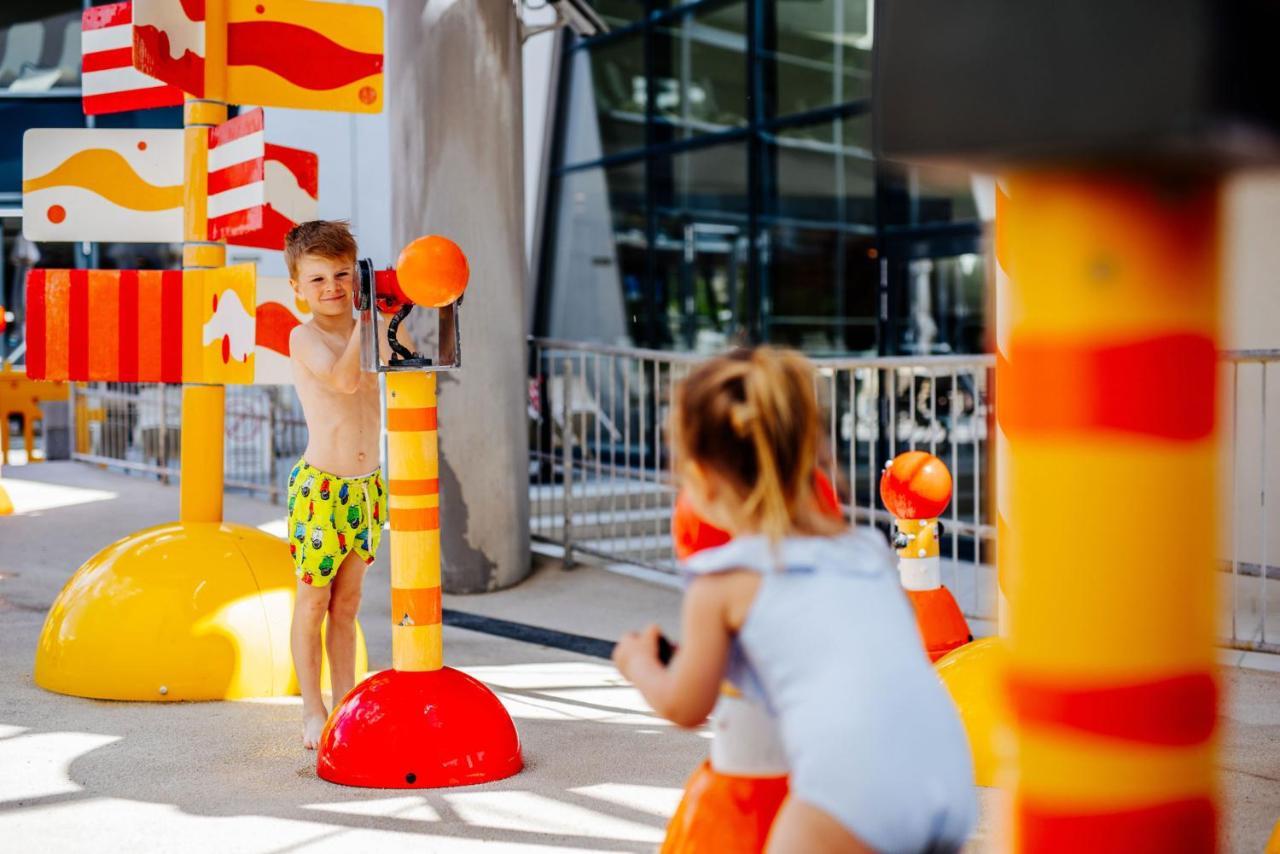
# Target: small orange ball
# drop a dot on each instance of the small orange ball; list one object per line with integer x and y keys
{"x": 432, "y": 271}
{"x": 915, "y": 485}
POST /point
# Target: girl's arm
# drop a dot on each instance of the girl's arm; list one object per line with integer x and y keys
{"x": 685, "y": 691}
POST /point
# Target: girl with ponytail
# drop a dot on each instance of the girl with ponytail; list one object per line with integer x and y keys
{"x": 807, "y": 617}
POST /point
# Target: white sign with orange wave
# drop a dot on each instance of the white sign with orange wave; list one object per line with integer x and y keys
{"x": 102, "y": 185}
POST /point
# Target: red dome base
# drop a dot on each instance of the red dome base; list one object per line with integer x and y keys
{"x": 407, "y": 730}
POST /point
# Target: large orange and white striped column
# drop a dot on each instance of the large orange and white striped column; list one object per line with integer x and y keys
{"x": 1106, "y": 406}
{"x": 413, "y": 505}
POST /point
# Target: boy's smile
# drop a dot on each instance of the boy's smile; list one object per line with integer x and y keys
{"x": 326, "y": 284}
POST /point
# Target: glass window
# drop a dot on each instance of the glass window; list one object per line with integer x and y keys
{"x": 941, "y": 196}
{"x": 700, "y": 76}
{"x": 41, "y": 46}
{"x": 817, "y": 53}
{"x": 821, "y": 289}
{"x": 701, "y": 269}
{"x": 940, "y": 308}
{"x": 619, "y": 13}
{"x": 823, "y": 172}
{"x": 161, "y": 117}
{"x": 606, "y": 101}
{"x": 598, "y": 265}
{"x": 659, "y": 250}
{"x": 709, "y": 181}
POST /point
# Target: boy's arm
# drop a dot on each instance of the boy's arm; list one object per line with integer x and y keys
{"x": 340, "y": 373}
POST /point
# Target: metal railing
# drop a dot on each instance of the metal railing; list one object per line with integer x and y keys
{"x": 600, "y": 483}
{"x": 138, "y": 428}
{"x": 599, "y": 465}
{"x": 1251, "y": 469}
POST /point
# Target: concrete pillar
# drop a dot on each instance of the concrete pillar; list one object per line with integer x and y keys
{"x": 454, "y": 89}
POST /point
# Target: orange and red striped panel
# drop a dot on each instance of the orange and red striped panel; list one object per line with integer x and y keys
{"x": 117, "y": 325}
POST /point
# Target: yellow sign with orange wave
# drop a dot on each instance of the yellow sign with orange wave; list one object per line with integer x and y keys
{"x": 305, "y": 55}
{"x": 102, "y": 185}
{"x": 300, "y": 54}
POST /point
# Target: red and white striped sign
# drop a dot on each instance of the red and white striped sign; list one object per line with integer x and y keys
{"x": 110, "y": 83}
{"x": 237, "y": 187}
{"x": 258, "y": 191}
{"x": 293, "y": 196}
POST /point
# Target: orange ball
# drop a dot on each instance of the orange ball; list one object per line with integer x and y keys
{"x": 691, "y": 534}
{"x": 432, "y": 271}
{"x": 915, "y": 485}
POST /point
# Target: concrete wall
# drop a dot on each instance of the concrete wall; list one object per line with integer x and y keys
{"x": 458, "y": 164}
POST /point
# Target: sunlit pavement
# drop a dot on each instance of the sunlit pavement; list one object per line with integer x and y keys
{"x": 603, "y": 774}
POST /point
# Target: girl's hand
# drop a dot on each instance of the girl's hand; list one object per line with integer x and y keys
{"x": 634, "y": 650}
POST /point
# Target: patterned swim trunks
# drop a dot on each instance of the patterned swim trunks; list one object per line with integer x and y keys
{"x": 330, "y": 516}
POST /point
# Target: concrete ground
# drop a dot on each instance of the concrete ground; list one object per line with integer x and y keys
{"x": 603, "y": 773}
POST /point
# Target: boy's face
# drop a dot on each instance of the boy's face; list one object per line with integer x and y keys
{"x": 327, "y": 284}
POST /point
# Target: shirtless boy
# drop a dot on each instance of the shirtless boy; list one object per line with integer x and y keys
{"x": 336, "y": 495}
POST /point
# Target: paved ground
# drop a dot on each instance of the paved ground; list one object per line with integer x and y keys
{"x": 603, "y": 773}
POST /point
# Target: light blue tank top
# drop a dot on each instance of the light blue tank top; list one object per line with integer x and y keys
{"x": 830, "y": 647}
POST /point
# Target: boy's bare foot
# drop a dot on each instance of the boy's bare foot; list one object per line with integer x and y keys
{"x": 312, "y": 725}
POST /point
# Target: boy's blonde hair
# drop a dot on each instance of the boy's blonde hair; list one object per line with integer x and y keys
{"x": 751, "y": 417}
{"x": 327, "y": 238}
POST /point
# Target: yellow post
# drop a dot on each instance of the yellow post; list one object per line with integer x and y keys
{"x": 1106, "y": 404}
{"x": 413, "y": 504}
{"x": 203, "y": 406}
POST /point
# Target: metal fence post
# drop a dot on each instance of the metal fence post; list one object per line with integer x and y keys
{"x": 273, "y": 399}
{"x": 566, "y": 448}
{"x": 163, "y": 438}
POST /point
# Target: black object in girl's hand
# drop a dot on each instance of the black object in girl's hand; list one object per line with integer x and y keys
{"x": 665, "y": 650}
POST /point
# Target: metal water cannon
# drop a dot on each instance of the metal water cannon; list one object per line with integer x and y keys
{"x": 431, "y": 273}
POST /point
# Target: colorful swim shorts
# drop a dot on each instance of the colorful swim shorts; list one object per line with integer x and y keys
{"x": 330, "y": 516}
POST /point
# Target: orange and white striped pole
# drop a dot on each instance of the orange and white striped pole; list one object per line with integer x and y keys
{"x": 413, "y": 505}
{"x": 1106, "y": 403}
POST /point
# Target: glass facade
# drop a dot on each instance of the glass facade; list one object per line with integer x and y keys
{"x": 713, "y": 183}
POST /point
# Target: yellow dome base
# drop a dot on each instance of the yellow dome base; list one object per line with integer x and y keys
{"x": 972, "y": 674}
{"x": 180, "y": 611}
{"x": 6, "y": 503}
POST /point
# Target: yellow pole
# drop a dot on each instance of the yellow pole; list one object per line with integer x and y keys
{"x": 203, "y": 406}
{"x": 1106, "y": 404}
{"x": 413, "y": 504}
